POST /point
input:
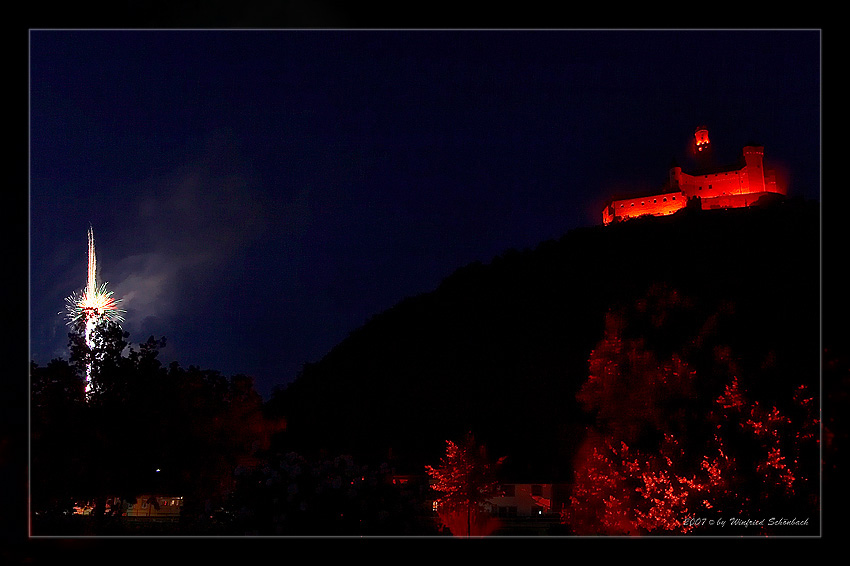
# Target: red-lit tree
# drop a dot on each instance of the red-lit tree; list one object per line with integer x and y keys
{"x": 467, "y": 480}
{"x": 671, "y": 443}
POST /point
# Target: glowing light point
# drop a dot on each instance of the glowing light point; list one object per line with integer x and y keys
{"x": 701, "y": 138}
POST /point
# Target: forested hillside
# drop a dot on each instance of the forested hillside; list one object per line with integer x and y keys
{"x": 502, "y": 349}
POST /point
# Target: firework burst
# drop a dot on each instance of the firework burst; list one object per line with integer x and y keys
{"x": 93, "y": 305}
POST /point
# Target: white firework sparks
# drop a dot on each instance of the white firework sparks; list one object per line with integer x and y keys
{"x": 94, "y": 305}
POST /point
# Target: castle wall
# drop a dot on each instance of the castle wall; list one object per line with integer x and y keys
{"x": 771, "y": 185}
{"x": 716, "y": 184}
{"x": 656, "y": 205}
{"x": 732, "y": 201}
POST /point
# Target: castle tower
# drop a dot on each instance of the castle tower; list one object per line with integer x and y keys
{"x": 754, "y": 160}
{"x": 675, "y": 177}
{"x": 702, "y": 148}
{"x": 701, "y": 141}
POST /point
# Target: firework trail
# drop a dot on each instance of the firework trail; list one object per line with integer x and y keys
{"x": 92, "y": 306}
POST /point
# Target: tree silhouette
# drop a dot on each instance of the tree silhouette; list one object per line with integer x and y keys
{"x": 56, "y": 433}
{"x": 143, "y": 429}
{"x": 467, "y": 479}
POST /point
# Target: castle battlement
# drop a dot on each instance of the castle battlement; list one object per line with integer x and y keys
{"x": 726, "y": 188}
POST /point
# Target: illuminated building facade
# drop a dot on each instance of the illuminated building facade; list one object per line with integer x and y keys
{"x": 523, "y": 500}
{"x": 715, "y": 187}
{"x": 155, "y": 508}
{"x": 148, "y": 507}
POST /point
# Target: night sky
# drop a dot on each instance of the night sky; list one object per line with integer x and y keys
{"x": 257, "y": 195}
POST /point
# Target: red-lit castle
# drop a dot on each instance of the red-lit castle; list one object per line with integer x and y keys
{"x": 714, "y": 187}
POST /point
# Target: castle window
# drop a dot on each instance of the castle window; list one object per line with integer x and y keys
{"x": 664, "y": 200}
{"x": 674, "y": 198}
{"x": 632, "y": 204}
{"x": 642, "y": 203}
{"x": 655, "y": 200}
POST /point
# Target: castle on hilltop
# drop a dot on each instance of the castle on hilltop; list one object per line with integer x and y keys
{"x": 708, "y": 186}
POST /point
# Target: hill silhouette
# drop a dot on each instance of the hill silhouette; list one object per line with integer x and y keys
{"x": 501, "y": 349}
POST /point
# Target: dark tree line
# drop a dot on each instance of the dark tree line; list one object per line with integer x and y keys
{"x": 293, "y": 495}
{"x": 144, "y": 429}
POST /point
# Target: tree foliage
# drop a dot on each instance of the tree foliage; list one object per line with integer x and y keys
{"x": 679, "y": 441}
{"x": 466, "y": 479}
